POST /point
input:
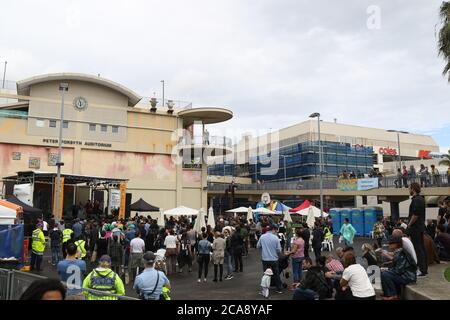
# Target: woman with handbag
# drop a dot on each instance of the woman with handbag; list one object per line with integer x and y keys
{"x": 170, "y": 242}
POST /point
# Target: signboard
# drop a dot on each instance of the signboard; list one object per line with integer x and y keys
{"x": 34, "y": 163}
{"x": 114, "y": 198}
{"x": 367, "y": 184}
{"x": 357, "y": 184}
{"x": 61, "y": 199}
{"x": 387, "y": 151}
{"x": 347, "y": 184}
{"x": 16, "y": 155}
{"x": 424, "y": 154}
{"x": 52, "y": 159}
{"x": 123, "y": 195}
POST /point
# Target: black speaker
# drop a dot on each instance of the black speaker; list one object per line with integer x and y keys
{"x": 127, "y": 205}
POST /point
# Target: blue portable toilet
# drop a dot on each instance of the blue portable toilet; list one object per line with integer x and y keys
{"x": 357, "y": 218}
{"x": 370, "y": 218}
{"x": 345, "y": 213}
{"x": 336, "y": 220}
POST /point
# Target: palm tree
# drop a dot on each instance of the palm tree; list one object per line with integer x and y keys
{"x": 446, "y": 160}
{"x": 444, "y": 37}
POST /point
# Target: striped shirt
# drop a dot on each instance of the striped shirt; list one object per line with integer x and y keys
{"x": 335, "y": 265}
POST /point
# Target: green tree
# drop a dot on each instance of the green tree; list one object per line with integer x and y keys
{"x": 444, "y": 37}
{"x": 446, "y": 160}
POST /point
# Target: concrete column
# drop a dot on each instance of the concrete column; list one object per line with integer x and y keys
{"x": 395, "y": 211}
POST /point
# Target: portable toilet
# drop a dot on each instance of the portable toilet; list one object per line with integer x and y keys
{"x": 345, "y": 213}
{"x": 336, "y": 220}
{"x": 357, "y": 218}
{"x": 370, "y": 218}
{"x": 379, "y": 212}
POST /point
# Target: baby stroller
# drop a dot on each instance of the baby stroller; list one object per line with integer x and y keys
{"x": 160, "y": 260}
{"x": 283, "y": 264}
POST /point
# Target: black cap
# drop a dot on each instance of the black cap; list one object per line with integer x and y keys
{"x": 149, "y": 256}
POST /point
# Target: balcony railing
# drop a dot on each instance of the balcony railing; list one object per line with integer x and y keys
{"x": 202, "y": 140}
{"x": 442, "y": 180}
{"x": 13, "y": 114}
{"x": 177, "y": 104}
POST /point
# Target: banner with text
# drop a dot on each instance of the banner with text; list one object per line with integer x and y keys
{"x": 367, "y": 184}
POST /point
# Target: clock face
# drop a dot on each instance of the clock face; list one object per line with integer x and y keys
{"x": 80, "y": 103}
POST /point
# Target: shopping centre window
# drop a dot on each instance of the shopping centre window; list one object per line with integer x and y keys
{"x": 65, "y": 124}
{"x": 115, "y": 129}
{"x": 103, "y": 128}
{"x": 52, "y": 124}
{"x": 92, "y": 127}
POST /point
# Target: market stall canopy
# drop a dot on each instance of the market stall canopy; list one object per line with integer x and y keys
{"x": 315, "y": 211}
{"x": 29, "y": 211}
{"x": 9, "y": 212}
{"x": 249, "y": 214}
{"x": 304, "y": 205}
{"x": 264, "y": 211}
{"x": 238, "y": 210}
{"x": 200, "y": 221}
{"x": 161, "y": 221}
{"x": 181, "y": 211}
{"x": 211, "y": 221}
{"x": 142, "y": 205}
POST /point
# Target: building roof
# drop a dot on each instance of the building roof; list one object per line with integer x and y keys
{"x": 23, "y": 86}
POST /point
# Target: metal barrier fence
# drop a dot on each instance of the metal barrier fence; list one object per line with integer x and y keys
{"x": 441, "y": 180}
{"x": 13, "y": 284}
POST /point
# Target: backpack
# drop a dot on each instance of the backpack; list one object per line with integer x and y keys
{"x": 56, "y": 236}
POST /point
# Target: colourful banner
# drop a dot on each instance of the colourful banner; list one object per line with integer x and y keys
{"x": 347, "y": 184}
{"x": 61, "y": 199}
{"x": 123, "y": 194}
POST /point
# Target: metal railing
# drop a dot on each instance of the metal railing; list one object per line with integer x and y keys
{"x": 177, "y": 104}
{"x": 441, "y": 180}
{"x": 13, "y": 114}
{"x": 202, "y": 140}
{"x": 13, "y": 284}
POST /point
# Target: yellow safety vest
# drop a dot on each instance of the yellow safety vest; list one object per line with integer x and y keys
{"x": 67, "y": 234}
{"x": 165, "y": 293}
{"x": 81, "y": 248}
{"x": 38, "y": 244}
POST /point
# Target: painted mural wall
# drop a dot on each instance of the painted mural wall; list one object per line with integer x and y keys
{"x": 192, "y": 178}
{"x": 16, "y": 157}
{"x": 141, "y": 169}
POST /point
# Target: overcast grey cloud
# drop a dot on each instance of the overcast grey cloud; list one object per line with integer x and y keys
{"x": 271, "y": 62}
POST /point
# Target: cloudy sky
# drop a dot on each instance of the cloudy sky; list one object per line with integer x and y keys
{"x": 271, "y": 62}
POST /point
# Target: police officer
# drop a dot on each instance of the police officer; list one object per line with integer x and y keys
{"x": 151, "y": 283}
{"x": 38, "y": 247}
{"x": 67, "y": 235}
{"x": 105, "y": 280}
{"x": 81, "y": 248}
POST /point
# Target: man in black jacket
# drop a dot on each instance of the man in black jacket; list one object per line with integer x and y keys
{"x": 237, "y": 244}
{"x": 314, "y": 285}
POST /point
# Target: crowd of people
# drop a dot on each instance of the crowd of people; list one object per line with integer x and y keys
{"x": 111, "y": 252}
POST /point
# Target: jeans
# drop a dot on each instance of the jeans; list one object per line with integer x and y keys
{"x": 56, "y": 254}
{"x": 391, "y": 283}
{"x": 317, "y": 251}
{"x": 229, "y": 264}
{"x": 36, "y": 260}
{"x": 203, "y": 262}
{"x": 297, "y": 269}
{"x": 405, "y": 182}
{"x": 237, "y": 257}
{"x": 276, "y": 272}
{"x": 417, "y": 241}
{"x": 304, "y": 294}
{"x": 171, "y": 264}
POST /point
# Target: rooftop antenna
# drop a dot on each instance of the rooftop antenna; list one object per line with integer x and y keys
{"x": 98, "y": 75}
{"x": 335, "y": 120}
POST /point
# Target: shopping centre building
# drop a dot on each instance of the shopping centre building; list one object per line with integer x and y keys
{"x": 295, "y": 152}
{"x": 110, "y": 133}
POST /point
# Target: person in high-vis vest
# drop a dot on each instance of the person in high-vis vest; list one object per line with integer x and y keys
{"x": 67, "y": 236}
{"x": 104, "y": 281}
{"x": 81, "y": 248}
{"x": 38, "y": 247}
{"x": 327, "y": 233}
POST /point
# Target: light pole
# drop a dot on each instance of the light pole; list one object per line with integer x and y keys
{"x": 4, "y": 75}
{"x": 317, "y": 115}
{"x": 162, "y": 92}
{"x": 284, "y": 162}
{"x": 63, "y": 87}
{"x": 398, "y": 146}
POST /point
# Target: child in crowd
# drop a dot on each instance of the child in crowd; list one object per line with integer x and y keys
{"x": 265, "y": 282}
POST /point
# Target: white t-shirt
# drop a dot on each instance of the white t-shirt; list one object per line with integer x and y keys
{"x": 358, "y": 281}
{"x": 45, "y": 227}
{"x": 170, "y": 242}
{"x": 409, "y": 247}
{"x": 137, "y": 245}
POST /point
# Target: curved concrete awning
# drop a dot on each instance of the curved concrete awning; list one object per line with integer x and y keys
{"x": 23, "y": 86}
{"x": 206, "y": 115}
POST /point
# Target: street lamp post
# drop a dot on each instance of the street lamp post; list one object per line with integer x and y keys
{"x": 317, "y": 115}
{"x": 398, "y": 146}
{"x": 4, "y": 75}
{"x": 63, "y": 87}
{"x": 284, "y": 162}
